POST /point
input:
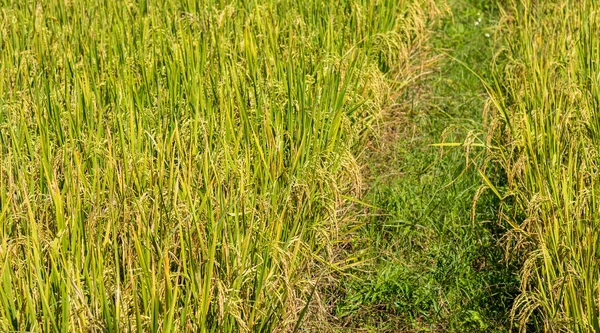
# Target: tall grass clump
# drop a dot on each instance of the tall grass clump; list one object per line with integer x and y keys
{"x": 545, "y": 135}
{"x": 173, "y": 166}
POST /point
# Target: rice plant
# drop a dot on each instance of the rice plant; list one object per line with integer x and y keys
{"x": 545, "y": 135}
{"x": 173, "y": 166}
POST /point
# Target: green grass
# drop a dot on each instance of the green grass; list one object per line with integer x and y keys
{"x": 172, "y": 166}
{"x": 432, "y": 264}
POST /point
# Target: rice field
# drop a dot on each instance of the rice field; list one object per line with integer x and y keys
{"x": 227, "y": 165}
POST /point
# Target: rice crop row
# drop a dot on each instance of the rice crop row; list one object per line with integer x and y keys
{"x": 173, "y": 166}
{"x": 545, "y": 135}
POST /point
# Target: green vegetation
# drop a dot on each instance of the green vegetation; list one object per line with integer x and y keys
{"x": 299, "y": 166}
{"x": 433, "y": 265}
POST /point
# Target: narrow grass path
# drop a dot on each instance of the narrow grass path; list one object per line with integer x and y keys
{"x": 431, "y": 266}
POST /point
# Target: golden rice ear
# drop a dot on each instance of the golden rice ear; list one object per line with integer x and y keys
{"x": 523, "y": 308}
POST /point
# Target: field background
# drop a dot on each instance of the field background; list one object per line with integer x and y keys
{"x": 299, "y": 166}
